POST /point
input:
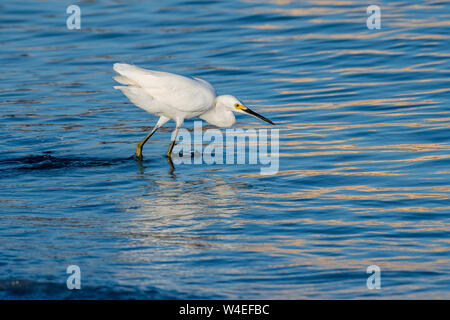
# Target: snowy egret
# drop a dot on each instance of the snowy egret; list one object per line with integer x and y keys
{"x": 172, "y": 96}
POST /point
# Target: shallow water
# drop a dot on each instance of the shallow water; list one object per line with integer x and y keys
{"x": 364, "y": 175}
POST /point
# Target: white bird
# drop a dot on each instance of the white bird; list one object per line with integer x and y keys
{"x": 172, "y": 96}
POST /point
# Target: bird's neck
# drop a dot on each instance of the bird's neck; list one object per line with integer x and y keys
{"x": 219, "y": 116}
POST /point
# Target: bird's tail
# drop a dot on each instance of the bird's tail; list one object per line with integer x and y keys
{"x": 123, "y": 69}
{"x": 129, "y": 76}
{"x": 124, "y": 80}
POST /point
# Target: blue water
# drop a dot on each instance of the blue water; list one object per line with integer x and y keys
{"x": 364, "y": 159}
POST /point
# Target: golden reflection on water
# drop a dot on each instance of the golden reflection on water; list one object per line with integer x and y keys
{"x": 345, "y": 155}
{"x": 309, "y": 139}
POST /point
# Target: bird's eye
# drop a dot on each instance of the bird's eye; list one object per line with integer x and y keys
{"x": 236, "y": 105}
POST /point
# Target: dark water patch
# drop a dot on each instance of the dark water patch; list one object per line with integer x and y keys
{"x": 49, "y": 162}
{"x": 22, "y": 289}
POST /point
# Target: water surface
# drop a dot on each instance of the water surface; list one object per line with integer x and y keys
{"x": 364, "y": 174}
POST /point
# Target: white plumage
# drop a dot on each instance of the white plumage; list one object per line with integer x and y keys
{"x": 172, "y": 96}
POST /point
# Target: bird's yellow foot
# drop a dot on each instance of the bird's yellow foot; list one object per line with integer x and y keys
{"x": 139, "y": 151}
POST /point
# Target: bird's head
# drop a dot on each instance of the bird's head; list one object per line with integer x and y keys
{"x": 231, "y": 103}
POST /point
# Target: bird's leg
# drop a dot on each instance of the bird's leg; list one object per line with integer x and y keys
{"x": 141, "y": 144}
{"x": 172, "y": 168}
{"x": 162, "y": 120}
{"x": 169, "y": 153}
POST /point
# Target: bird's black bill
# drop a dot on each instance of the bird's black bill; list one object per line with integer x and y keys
{"x": 253, "y": 113}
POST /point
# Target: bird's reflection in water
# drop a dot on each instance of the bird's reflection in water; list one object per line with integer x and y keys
{"x": 180, "y": 204}
{"x": 141, "y": 166}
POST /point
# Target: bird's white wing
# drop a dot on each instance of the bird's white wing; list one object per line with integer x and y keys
{"x": 176, "y": 91}
{"x": 206, "y": 84}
